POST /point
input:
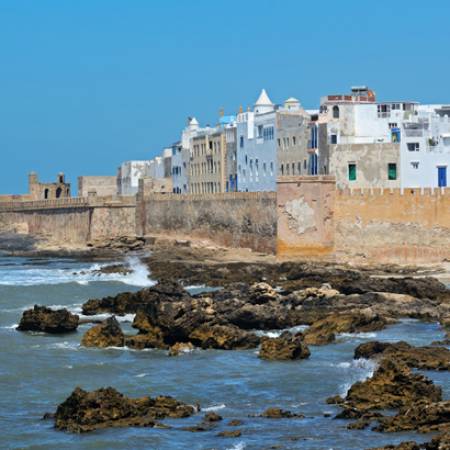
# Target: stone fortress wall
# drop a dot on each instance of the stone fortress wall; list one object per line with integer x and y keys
{"x": 307, "y": 218}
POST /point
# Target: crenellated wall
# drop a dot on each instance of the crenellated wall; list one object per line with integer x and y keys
{"x": 307, "y": 217}
{"x": 392, "y": 225}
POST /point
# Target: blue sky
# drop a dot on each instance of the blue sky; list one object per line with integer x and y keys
{"x": 86, "y": 84}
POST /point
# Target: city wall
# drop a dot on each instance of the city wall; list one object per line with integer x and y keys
{"x": 235, "y": 219}
{"x": 70, "y": 221}
{"x": 391, "y": 225}
{"x": 307, "y": 218}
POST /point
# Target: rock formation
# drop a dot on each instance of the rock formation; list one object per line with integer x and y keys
{"x": 41, "y": 318}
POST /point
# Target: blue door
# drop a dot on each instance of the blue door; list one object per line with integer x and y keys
{"x": 442, "y": 176}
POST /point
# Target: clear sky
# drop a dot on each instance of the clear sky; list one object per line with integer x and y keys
{"x": 87, "y": 84}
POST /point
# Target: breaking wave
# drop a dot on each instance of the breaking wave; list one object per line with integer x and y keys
{"x": 30, "y": 275}
{"x": 358, "y": 370}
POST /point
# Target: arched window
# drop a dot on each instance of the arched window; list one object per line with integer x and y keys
{"x": 46, "y": 194}
{"x": 58, "y": 192}
{"x": 335, "y": 112}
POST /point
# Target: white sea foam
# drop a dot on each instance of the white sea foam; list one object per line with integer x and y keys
{"x": 277, "y": 333}
{"x": 358, "y": 370}
{"x": 32, "y": 276}
{"x": 368, "y": 335}
{"x": 64, "y": 346}
{"x": 239, "y": 446}
{"x": 10, "y": 327}
{"x": 141, "y": 375}
{"x": 215, "y": 407}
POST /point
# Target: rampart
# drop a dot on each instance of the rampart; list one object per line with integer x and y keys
{"x": 392, "y": 225}
{"x": 235, "y": 219}
{"x": 307, "y": 217}
{"x": 70, "y": 221}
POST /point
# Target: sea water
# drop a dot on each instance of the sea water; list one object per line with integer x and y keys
{"x": 38, "y": 371}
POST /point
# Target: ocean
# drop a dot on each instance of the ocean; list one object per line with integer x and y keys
{"x": 38, "y": 371}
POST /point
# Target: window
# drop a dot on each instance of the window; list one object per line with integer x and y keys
{"x": 352, "y": 172}
{"x": 246, "y": 159}
{"x": 293, "y": 168}
{"x": 393, "y": 125}
{"x": 241, "y": 141}
{"x": 413, "y": 146}
{"x": 415, "y": 164}
{"x": 293, "y": 140}
{"x": 299, "y": 168}
{"x": 333, "y": 139}
{"x": 392, "y": 171}
{"x": 271, "y": 168}
{"x": 305, "y": 164}
{"x": 287, "y": 169}
{"x": 264, "y": 167}
{"x": 279, "y": 142}
{"x": 282, "y": 169}
{"x": 335, "y": 112}
{"x": 260, "y": 131}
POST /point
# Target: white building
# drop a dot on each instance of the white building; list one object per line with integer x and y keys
{"x": 388, "y": 144}
{"x": 128, "y": 176}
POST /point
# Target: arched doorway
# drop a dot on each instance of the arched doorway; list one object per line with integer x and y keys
{"x": 46, "y": 194}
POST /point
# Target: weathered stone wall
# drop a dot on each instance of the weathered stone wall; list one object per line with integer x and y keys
{"x": 235, "y": 219}
{"x": 97, "y": 185}
{"x": 72, "y": 221}
{"x": 305, "y": 216}
{"x": 406, "y": 226}
{"x": 396, "y": 225}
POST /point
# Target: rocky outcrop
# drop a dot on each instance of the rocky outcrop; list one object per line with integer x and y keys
{"x": 180, "y": 348}
{"x": 324, "y": 331}
{"x": 224, "y": 337}
{"x": 106, "y": 334}
{"x": 393, "y": 385}
{"x": 86, "y": 411}
{"x": 284, "y": 347}
{"x": 426, "y": 358}
{"x": 131, "y": 302}
{"x": 278, "y": 413}
{"x": 424, "y": 416}
{"x": 47, "y": 320}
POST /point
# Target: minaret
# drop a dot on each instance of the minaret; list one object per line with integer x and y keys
{"x": 263, "y": 104}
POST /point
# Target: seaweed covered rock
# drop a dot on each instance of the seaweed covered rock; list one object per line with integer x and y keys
{"x": 285, "y": 347}
{"x": 425, "y": 358}
{"x": 393, "y": 385}
{"x": 225, "y": 337}
{"x": 324, "y": 331}
{"x": 41, "y": 318}
{"x": 86, "y": 411}
{"x": 423, "y": 416}
{"x": 131, "y": 302}
{"x": 106, "y": 334}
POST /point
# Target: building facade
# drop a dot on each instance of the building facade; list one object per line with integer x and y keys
{"x": 48, "y": 191}
{"x": 128, "y": 176}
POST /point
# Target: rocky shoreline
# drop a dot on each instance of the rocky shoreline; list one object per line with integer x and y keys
{"x": 310, "y": 304}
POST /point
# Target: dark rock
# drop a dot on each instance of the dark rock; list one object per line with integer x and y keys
{"x": 393, "y": 385}
{"x": 235, "y": 423}
{"x": 131, "y": 302}
{"x": 107, "y": 334}
{"x": 41, "y": 318}
{"x": 278, "y": 413}
{"x": 423, "y": 416}
{"x": 230, "y": 434}
{"x": 323, "y": 331}
{"x": 212, "y": 417}
{"x": 285, "y": 347}
{"x": 223, "y": 337}
{"x": 141, "y": 341}
{"x": 87, "y": 411}
{"x": 425, "y": 358}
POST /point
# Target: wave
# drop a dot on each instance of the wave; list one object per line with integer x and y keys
{"x": 278, "y": 333}
{"x": 358, "y": 370}
{"x": 31, "y": 276}
{"x": 215, "y": 407}
{"x": 239, "y": 446}
{"x": 64, "y": 346}
{"x": 10, "y": 327}
{"x": 367, "y": 335}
